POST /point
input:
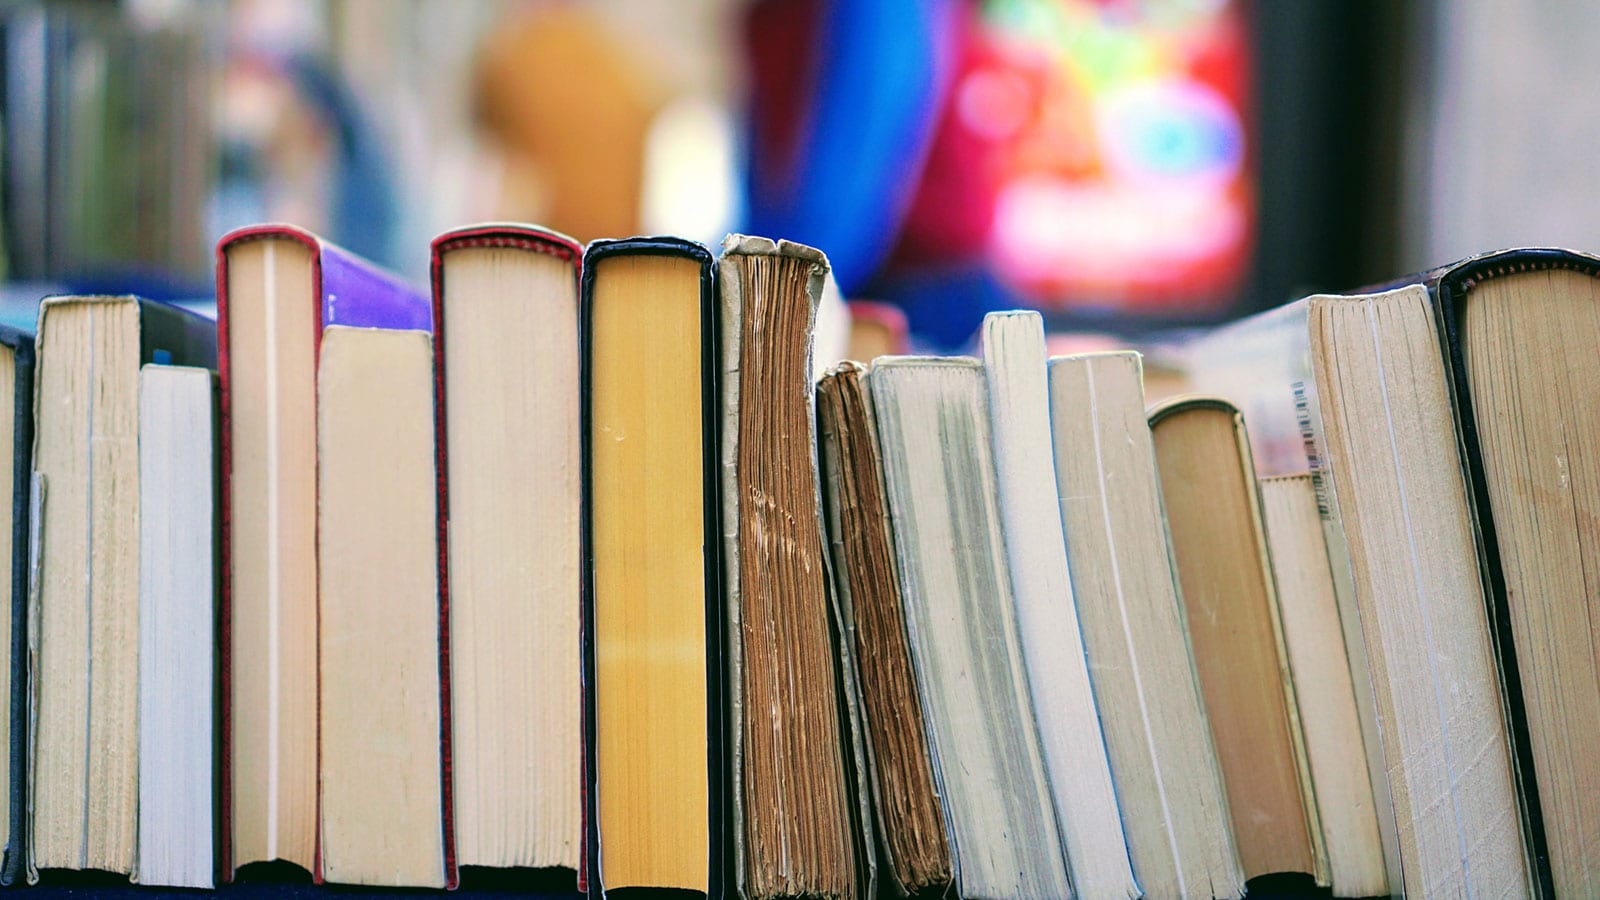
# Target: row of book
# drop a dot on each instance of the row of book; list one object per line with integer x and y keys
{"x": 577, "y": 564}
{"x": 993, "y": 625}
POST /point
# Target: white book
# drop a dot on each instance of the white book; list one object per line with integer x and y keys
{"x": 933, "y": 425}
{"x": 177, "y": 627}
{"x": 1174, "y": 809}
{"x": 1047, "y": 616}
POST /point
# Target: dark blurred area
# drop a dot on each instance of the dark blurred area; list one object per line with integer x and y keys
{"x": 1125, "y": 167}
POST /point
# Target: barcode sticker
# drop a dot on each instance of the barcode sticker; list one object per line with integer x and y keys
{"x": 1308, "y": 442}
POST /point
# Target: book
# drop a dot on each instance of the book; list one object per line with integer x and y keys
{"x": 1320, "y": 663}
{"x": 383, "y": 738}
{"x": 1047, "y": 618}
{"x": 84, "y": 631}
{"x": 654, "y": 718}
{"x": 1520, "y": 328}
{"x": 177, "y": 626}
{"x": 793, "y": 770}
{"x": 1354, "y": 391}
{"x": 909, "y": 826}
{"x": 1163, "y": 761}
{"x": 1230, "y": 603}
{"x": 278, "y": 287}
{"x": 933, "y": 427}
{"x": 506, "y": 306}
{"x": 16, "y": 383}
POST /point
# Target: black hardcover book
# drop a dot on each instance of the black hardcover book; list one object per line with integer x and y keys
{"x": 597, "y": 258}
{"x": 20, "y": 345}
{"x": 1528, "y": 336}
{"x": 175, "y": 335}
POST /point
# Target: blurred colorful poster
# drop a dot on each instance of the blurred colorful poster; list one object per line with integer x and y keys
{"x": 1125, "y": 178}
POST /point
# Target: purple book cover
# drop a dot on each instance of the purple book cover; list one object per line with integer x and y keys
{"x": 359, "y": 294}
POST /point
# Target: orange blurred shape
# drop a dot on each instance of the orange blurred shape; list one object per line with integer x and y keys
{"x": 570, "y": 104}
{"x": 877, "y": 329}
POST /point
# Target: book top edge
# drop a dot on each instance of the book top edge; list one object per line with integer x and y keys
{"x": 513, "y": 235}
{"x": 752, "y": 245}
{"x": 664, "y": 245}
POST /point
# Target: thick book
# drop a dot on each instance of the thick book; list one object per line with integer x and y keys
{"x": 18, "y": 368}
{"x": 1355, "y": 391}
{"x": 85, "y": 605}
{"x": 278, "y": 289}
{"x": 654, "y": 708}
{"x": 1230, "y": 601}
{"x": 795, "y": 759}
{"x": 1520, "y": 327}
{"x": 505, "y": 306}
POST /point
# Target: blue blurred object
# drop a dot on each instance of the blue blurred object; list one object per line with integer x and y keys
{"x": 363, "y": 212}
{"x": 19, "y": 300}
{"x": 364, "y": 215}
{"x": 878, "y": 73}
{"x": 944, "y": 306}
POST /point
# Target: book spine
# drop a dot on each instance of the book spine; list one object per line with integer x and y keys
{"x": 12, "y": 869}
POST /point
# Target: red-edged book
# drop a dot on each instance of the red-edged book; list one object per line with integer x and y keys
{"x": 332, "y": 573}
{"x": 506, "y": 314}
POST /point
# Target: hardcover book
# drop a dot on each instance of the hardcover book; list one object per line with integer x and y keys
{"x": 505, "y": 300}
{"x": 1522, "y": 328}
{"x": 654, "y": 713}
{"x": 16, "y": 366}
{"x": 1230, "y": 602}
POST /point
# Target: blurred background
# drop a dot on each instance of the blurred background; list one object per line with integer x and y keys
{"x": 1124, "y": 167}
